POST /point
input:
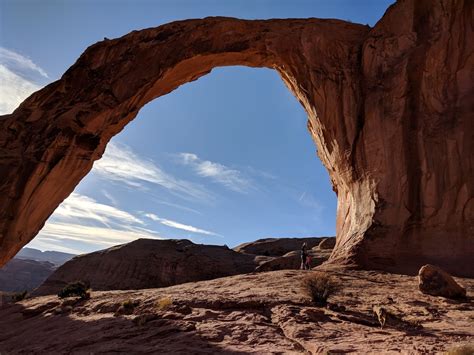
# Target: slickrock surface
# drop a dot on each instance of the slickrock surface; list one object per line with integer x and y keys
{"x": 277, "y": 246}
{"x": 149, "y": 263}
{"x": 253, "y": 313}
{"x": 389, "y": 108}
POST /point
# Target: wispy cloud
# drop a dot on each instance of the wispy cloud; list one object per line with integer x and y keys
{"x": 19, "y": 78}
{"x": 21, "y": 63}
{"x": 175, "y": 205}
{"x": 78, "y": 206}
{"x": 177, "y": 225}
{"x": 81, "y": 220}
{"x": 230, "y": 178}
{"x": 121, "y": 164}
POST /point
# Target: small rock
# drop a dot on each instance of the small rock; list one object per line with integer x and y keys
{"x": 435, "y": 281}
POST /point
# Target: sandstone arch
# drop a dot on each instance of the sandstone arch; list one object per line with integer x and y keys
{"x": 389, "y": 107}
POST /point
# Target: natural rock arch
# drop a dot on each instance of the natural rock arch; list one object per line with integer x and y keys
{"x": 389, "y": 107}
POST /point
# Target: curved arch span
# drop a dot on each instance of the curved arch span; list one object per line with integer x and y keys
{"x": 334, "y": 68}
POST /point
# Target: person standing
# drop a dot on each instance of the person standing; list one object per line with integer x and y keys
{"x": 304, "y": 254}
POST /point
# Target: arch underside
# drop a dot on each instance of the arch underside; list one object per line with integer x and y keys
{"x": 368, "y": 120}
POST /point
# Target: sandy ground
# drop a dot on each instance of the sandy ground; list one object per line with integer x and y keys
{"x": 261, "y": 313}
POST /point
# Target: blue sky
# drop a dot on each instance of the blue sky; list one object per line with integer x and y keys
{"x": 222, "y": 160}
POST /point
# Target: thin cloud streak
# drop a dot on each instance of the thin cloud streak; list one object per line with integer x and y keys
{"x": 82, "y": 220}
{"x": 230, "y": 178}
{"x": 121, "y": 164}
{"x": 177, "y": 225}
{"x": 78, "y": 206}
{"x": 19, "y": 78}
{"x": 23, "y": 64}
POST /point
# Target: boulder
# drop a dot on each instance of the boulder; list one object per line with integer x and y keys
{"x": 328, "y": 243}
{"x": 435, "y": 281}
{"x": 149, "y": 263}
{"x": 276, "y": 246}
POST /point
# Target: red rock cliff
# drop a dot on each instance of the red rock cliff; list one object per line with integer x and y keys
{"x": 390, "y": 109}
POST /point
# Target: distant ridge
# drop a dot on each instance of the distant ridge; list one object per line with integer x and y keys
{"x": 55, "y": 257}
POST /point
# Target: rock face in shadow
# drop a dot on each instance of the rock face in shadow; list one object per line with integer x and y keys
{"x": 276, "y": 246}
{"x": 389, "y": 108}
{"x": 20, "y": 275}
{"x": 149, "y": 263}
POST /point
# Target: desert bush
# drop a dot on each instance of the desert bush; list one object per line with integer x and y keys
{"x": 75, "y": 289}
{"x": 164, "y": 303}
{"x": 127, "y": 307}
{"x": 20, "y": 296}
{"x": 319, "y": 286}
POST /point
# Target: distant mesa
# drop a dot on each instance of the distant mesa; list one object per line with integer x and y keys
{"x": 30, "y": 268}
{"x": 151, "y": 263}
{"x": 55, "y": 257}
{"x": 20, "y": 275}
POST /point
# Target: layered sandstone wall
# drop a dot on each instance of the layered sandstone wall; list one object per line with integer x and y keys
{"x": 389, "y": 108}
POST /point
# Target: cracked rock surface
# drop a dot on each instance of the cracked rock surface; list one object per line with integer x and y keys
{"x": 252, "y": 313}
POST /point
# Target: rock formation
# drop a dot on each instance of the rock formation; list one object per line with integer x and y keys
{"x": 276, "y": 246}
{"x": 327, "y": 243}
{"x": 390, "y": 110}
{"x": 149, "y": 263}
{"x": 55, "y": 257}
{"x": 292, "y": 260}
{"x": 20, "y": 275}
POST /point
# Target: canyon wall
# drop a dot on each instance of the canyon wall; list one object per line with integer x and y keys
{"x": 390, "y": 109}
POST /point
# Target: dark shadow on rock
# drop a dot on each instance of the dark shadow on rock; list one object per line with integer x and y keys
{"x": 62, "y": 333}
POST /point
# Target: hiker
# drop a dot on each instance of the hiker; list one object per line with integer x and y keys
{"x": 303, "y": 256}
{"x": 308, "y": 262}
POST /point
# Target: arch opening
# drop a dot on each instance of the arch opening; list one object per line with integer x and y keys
{"x": 226, "y": 159}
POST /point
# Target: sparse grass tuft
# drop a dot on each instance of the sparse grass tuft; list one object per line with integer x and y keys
{"x": 319, "y": 286}
{"x": 75, "y": 289}
{"x": 164, "y": 303}
{"x": 466, "y": 349}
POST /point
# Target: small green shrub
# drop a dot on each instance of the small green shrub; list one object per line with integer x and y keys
{"x": 20, "y": 296}
{"x": 127, "y": 307}
{"x": 319, "y": 286}
{"x": 75, "y": 289}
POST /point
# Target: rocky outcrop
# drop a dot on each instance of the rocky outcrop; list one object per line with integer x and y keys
{"x": 292, "y": 260}
{"x": 389, "y": 108}
{"x": 276, "y": 246}
{"x": 148, "y": 263}
{"x": 20, "y": 275}
{"x": 258, "y": 313}
{"x": 435, "y": 281}
{"x": 327, "y": 243}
